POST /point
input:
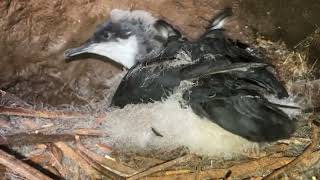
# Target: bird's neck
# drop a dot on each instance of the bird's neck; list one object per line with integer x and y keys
{"x": 148, "y": 50}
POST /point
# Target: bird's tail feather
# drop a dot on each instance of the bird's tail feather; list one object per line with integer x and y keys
{"x": 220, "y": 19}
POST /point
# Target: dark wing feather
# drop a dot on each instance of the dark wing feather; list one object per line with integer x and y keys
{"x": 242, "y": 112}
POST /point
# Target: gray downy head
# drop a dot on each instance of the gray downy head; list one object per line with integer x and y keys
{"x": 127, "y": 38}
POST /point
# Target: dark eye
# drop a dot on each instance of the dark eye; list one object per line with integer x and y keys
{"x": 107, "y": 35}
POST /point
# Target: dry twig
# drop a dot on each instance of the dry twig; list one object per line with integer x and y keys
{"x": 112, "y": 166}
{"x": 13, "y": 111}
{"x": 306, "y": 153}
{"x": 39, "y": 138}
{"x": 70, "y": 153}
{"x": 26, "y": 139}
{"x": 89, "y": 132}
{"x": 21, "y": 168}
{"x": 237, "y": 171}
{"x": 56, "y": 155}
{"x": 163, "y": 166}
{"x": 98, "y": 167}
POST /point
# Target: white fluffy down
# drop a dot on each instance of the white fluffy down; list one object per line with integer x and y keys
{"x": 131, "y": 129}
{"x": 145, "y": 17}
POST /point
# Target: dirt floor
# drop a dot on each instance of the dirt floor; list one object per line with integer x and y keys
{"x": 35, "y": 33}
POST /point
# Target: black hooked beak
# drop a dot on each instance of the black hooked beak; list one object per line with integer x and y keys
{"x": 78, "y": 52}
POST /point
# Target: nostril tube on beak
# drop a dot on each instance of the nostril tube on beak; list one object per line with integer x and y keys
{"x": 67, "y": 54}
